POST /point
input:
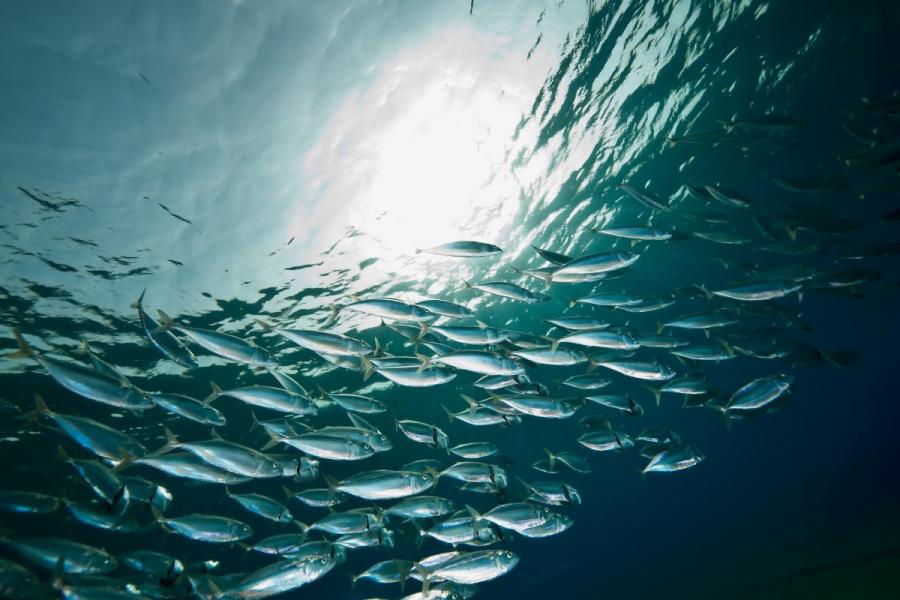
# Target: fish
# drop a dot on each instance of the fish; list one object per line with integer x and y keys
{"x": 164, "y": 341}
{"x": 97, "y": 438}
{"x": 356, "y": 403}
{"x": 189, "y": 408}
{"x": 588, "y": 381}
{"x": 421, "y": 507}
{"x": 188, "y": 466}
{"x": 387, "y": 571}
{"x": 517, "y": 516}
{"x": 322, "y": 342}
{"x": 446, "y": 309}
{"x": 28, "y": 502}
{"x": 64, "y": 555}
{"x": 604, "y": 441}
{"x": 281, "y": 577}
{"x": 463, "y": 249}
{"x": 272, "y": 398}
{"x": 541, "y": 406}
{"x": 555, "y": 493}
{"x": 578, "y": 323}
{"x": 388, "y": 308}
{"x": 759, "y": 393}
{"x": 262, "y": 506}
{"x": 227, "y": 456}
{"x": 483, "y": 363}
{"x": 644, "y": 234}
{"x": 424, "y": 433}
{"x": 603, "y": 262}
{"x": 646, "y": 199}
{"x": 551, "y": 355}
{"x": 605, "y": 338}
{"x": 481, "y": 335}
{"x": 415, "y": 376}
{"x": 474, "y": 567}
{"x": 648, "y": 371}
{"x": 552, "y": 257}
{"x": 761, "y": 291}
{"x": 507, "y": 290}
{"x": 674, "y": 459}
{"x": 386, "y": 484}
{"x": 625, "y": 404}
{"x": 221, "y": 344}
{"x": 475, "y": 450}
{"x": 206, "y": 528}
{"x": 87, "y": 383}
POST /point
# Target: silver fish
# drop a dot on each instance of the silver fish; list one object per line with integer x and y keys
{"x": 67, "y": 556}
{"x": 384, "y": 484}
{"x": 164, "y": 340}
{"x": 507, "y": 290}
{"x": 463, "y": 249}
{"x": 222, "y": 344}
{"x": 207, "y": 528}
{"x": 387, "y": 308}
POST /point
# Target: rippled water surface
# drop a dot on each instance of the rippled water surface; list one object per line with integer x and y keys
{"x": 245, "y": 161}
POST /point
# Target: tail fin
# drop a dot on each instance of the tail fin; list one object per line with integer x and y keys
{"x": 473, "y": 404}
{"x": 368, "y": 368}
{"x": 139, "y": 303}
{"x": 657, "y": 394}
{"x": 32, "y": 416}
{"x": 469, "y": 285}
{"x": 24, "y": 348}
{"x": 551, "y": 457}
{"x": 171, "y": 443}
{"x": 425, "y": 360}
{"x": 450, "y": 416}
{"x": 264, "y": 324}
{"x": 165, "y": 322}
{"x": 127, "y": 461}
{"x": 706, "y": 292}
{"x": 216, "y": 392}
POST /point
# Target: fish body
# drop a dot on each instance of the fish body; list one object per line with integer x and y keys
{"x": 388, "y": 308}
{"x": 384, "y": 484}
{"x": 464, "y": 249}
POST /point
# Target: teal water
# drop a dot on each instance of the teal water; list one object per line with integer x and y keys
{"x": 266, "y": 160}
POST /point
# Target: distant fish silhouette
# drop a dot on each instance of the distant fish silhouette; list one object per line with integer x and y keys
{"x": 177, "y": 216}
{"x": 144, "y": 77}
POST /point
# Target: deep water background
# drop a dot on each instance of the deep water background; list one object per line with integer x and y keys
{"x": 798, "y": 503}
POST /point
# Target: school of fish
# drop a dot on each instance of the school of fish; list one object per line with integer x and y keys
{"x": 584, "y": 365}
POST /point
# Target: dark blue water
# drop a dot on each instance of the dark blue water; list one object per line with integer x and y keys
{"x": 310, "y": 149}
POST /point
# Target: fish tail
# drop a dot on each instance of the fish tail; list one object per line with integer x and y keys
{"x": 264, "y": 324}
{"x": 469, "y": 285}
{"x": 378, "y": 350}
{"x": 139, "y": 303}
{"x": 423, "y": 330}
{"x": 216, "y": 392}
{"x": 254, "y": 422}
{"x": 165, "y": 322}
{"x": 31, "y": 417}
{"x": 273, "y": 441}
{"x": 703, "y": 289}
{"x": 127, "y": 460}
{"x": 61, "y": 454}
{"x": 368, "y": 369}
{"x": 171, "y": 443}
{"x": 657, "y": 394}
{"x": 425, "y": 360}
{"x": 24, "y": 349}
{"x": 554, "y": 345}
{"x": 659, "y": 328}
{"x": 551, "y": 457}
{"x": 450, "y": 415}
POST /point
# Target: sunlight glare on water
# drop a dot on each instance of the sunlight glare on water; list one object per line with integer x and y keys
{"x": 416, "y": 160}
